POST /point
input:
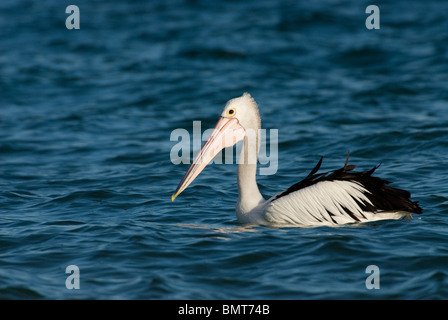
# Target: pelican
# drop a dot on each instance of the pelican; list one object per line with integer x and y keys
{"x": 331, "y": 198}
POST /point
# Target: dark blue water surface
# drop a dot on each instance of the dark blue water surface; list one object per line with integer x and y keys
{"x": 85, "y": 122}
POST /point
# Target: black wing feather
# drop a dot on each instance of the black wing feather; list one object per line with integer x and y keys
{"x": 382, "y": 196}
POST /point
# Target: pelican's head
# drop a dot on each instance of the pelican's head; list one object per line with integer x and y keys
{"x": 239, "y": 115}
{"x": 245, "y": 110}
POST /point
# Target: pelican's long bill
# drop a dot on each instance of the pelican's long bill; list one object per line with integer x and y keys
{"x": 227, "y": 133}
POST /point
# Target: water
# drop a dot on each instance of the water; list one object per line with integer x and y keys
{"x": 85, "y": 123}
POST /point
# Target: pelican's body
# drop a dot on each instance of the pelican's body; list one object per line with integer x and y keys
{"x": 332, "y": 198}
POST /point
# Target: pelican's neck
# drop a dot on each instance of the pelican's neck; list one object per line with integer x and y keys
{"x": 249, "y": 195}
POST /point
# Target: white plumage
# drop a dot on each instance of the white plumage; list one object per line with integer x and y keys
{"x": 324, "y": 203}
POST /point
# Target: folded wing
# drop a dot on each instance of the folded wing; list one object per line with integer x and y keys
{"x": 337, "y": 197}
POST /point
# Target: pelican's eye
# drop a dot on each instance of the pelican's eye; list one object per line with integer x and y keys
{"x": 231, "y": 112}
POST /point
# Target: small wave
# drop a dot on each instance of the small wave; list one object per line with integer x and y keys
{"x": 19, "y": 292}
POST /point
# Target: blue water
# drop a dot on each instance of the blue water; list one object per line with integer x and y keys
{"x": 85, "y": 123}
